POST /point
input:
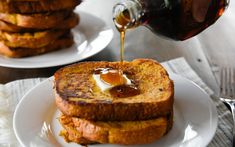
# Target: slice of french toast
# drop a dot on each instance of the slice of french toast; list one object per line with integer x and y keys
{"x": 70, "y": 133}
{"x": 60, "y": 43}
{"x": 77, "y": 94}
{"x": 30, "y": 40}
{"x": 39, "y": 6}
{"x": 115, "y": 132}
{"x": 68, "y": 23}
{"x": 37, "y": 20}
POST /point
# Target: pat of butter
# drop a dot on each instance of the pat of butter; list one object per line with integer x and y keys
{"x": 105, "y": 86}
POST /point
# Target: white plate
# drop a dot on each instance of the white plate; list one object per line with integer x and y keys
{"x": 91, "y": 36}
{"x": 195, "y": 118}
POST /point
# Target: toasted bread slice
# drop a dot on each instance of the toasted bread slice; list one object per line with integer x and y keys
{"x": 37, "y": 6}
{"x": 30, "y": 40}
{"x": 117, "y": 132}
{"x": 70, "y": 134}
{"x": 36, "y": 21}
{"x": 78, "y": 95}
{"x": 68, "y": 23}
{"x": 60, "y": 43}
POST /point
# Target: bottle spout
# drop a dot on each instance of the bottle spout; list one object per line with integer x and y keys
{"x": 126, "y": 15}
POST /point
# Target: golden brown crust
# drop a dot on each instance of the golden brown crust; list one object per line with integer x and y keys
{"x": 124, "y": 132}
{"x": 23, "y": 52}
{"x": 68, "y": 23}
{"x": 170, "y": 119}
{"x": 36, "y": 21}
{"x": 30, "y": 40}
{"x": 70, "y": 134}
{"x": 77, "y": 94}
{"x": 37, "y": 6}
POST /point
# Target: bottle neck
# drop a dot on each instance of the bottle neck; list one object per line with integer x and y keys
{"x": 127, "y": 14}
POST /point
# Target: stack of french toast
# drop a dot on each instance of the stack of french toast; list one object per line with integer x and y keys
{"x": 32, "y": 27}
{"x": 91, "y": 114}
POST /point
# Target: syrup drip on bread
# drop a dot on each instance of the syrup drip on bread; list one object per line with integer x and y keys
{"x": 116, "y": 82}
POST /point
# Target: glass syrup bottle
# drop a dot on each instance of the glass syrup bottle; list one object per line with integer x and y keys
{"x": 169, "y": 18}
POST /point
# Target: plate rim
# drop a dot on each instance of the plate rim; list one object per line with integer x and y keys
{"x": 17, "y": 107}
{"x": 212, "y": 106}
{"x": 38, "y": 66}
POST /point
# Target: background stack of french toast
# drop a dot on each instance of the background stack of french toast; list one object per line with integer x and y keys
{"x": 90, "y": 115}
{"x": 32, "y": 27}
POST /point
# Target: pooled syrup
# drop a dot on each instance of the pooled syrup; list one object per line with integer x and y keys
{"x": 116, "y": 78}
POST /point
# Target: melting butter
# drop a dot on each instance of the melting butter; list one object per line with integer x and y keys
{"x": 106, "y": 86}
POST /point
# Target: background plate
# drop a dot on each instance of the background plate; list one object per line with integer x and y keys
{"x": 91, "y": 36}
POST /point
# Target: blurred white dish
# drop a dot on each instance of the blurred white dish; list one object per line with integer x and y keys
{"x": 91, "y": 36}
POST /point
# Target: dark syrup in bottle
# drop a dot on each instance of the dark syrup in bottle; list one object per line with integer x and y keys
{"x": 173, "y": 19}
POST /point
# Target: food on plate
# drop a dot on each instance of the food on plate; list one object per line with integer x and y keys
{"x": 104, "y": 102}
{"x": 33, "y": 27}
{"x": 36, "y": 6}
{"x": 62, "y": 42}
{"x": 30, "y": 40}
{"x": 84, "y": 131}
{"x": 37, "y": 20}
{"x": 68, "y": 23}
{"x": 70, "y": 133}
{"x": 77, "y": 93}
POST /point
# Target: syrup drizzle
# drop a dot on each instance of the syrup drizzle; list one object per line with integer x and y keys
{"x": 121, "y": 22}
{"x": 122, "y": 38}
{"x": 123, "y": 91}
{"x": 115, "y": 77}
